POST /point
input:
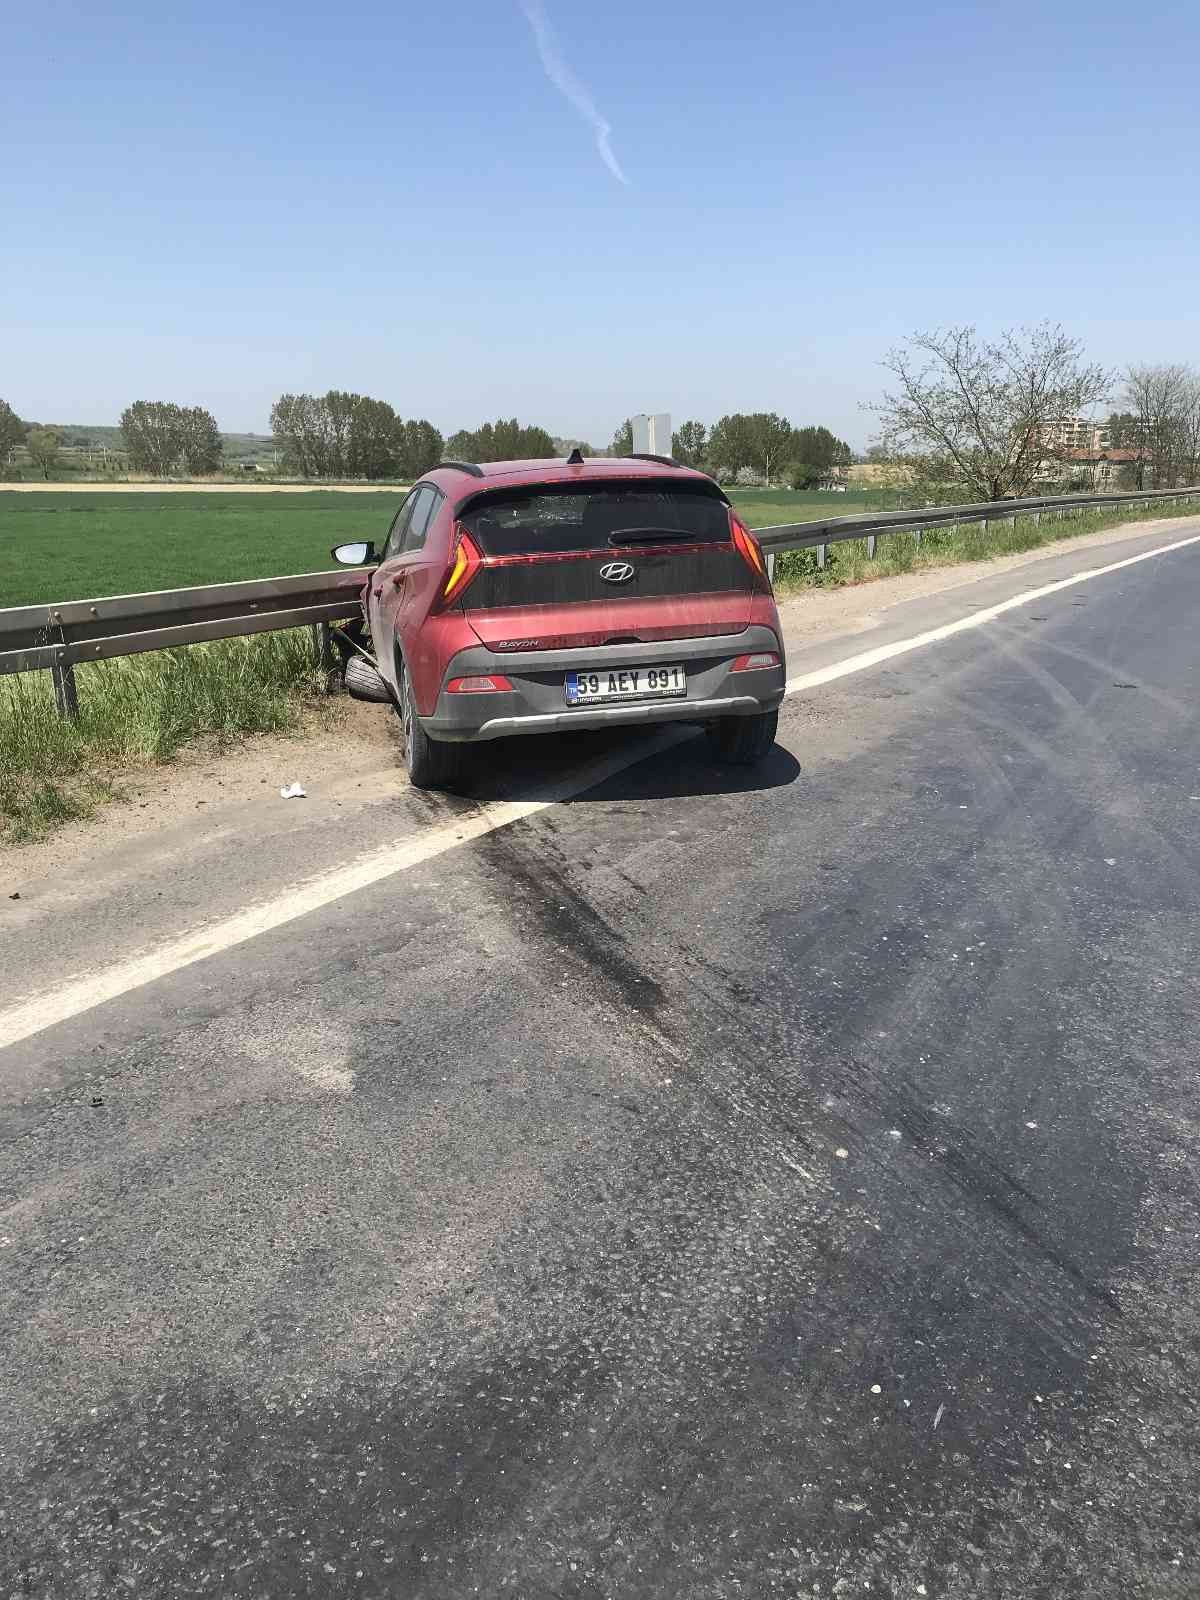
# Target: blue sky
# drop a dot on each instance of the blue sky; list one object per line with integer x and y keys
{"x": 215, "y": 204}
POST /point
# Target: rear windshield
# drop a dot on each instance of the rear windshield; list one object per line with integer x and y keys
{"x": 549, "y": 518}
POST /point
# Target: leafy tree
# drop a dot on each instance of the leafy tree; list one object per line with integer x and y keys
{"x": 622, "y": 441}
{"x": 300, "y": 424}
{"x": 12, "y": 431}
{"x": 42, "y": 444}
{"x": 1123, "y": 430}
{"x": 973, "y": 413}
{"x": 339, "y": 434}
{"x": 803, "y": 474}
{"x": 201, "y": 441}
{"x": 822, "y": 449}
{"x": 688, "y": 443}
{"x": 371, "y": 438}
{"x": 154, "y": 432}
{"x": 501, "y": 441}
{"x": 759, "y": 440}
{"x": 419, "y": 446}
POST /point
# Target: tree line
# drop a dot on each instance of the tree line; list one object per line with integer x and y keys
{"x": 758, "y": 444}
{"x": 340, "y": 434}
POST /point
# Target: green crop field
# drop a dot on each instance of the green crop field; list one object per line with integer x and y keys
{"x": 75, "y": 545}
{"x": 72, "y": 546}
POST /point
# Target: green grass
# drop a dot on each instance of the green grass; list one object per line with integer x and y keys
{"x": 848, "y": 562}
{"x": 139, "y": 711}
{"x": 75, "y": 546}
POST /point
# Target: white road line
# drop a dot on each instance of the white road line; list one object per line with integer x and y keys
{"x": 82, "y": 994}
{"x": 901, "y": 647}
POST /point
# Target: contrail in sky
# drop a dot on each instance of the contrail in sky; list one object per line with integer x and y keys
{"x": 568, "y": 85}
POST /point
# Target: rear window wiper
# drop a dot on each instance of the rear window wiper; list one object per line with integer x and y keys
{"x": 649, "y": 535}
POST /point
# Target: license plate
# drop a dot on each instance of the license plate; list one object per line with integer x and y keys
{"x": 625, "y": 683}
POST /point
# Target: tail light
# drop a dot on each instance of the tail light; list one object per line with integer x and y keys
{"x": 754, "y": 663}
{"x": 483, "y": 683}
{"x": 750, "y": 550}
{"x": 465, "y": 562}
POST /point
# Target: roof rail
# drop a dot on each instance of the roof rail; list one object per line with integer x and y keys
{"x": 640, "y": 455}
{"x": 463, "y": 466}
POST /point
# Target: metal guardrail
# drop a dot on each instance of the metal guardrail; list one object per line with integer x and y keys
{"x": 870, "y": 524}
{"x": 57, "y": 637}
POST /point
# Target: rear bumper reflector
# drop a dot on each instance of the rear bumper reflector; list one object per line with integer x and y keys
{"x": 755, "y": 662}
{"x": 490, "y": 683}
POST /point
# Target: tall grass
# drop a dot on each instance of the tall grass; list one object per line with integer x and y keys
{"x": 847, "y": 561}
{"x": 139, "y": 711}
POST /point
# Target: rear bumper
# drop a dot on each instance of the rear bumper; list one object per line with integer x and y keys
{"x": 536, "y": 703}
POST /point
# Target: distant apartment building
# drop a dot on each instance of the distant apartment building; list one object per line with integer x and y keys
{"x": 1074, "y": 433}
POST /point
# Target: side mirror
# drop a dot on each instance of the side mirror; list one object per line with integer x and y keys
{"x": 359, "y": 554}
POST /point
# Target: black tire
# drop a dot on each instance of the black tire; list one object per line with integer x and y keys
{"x": 363, "y": 682}
{"x": 431, "y": 763}
{"x": 742, "y": 741}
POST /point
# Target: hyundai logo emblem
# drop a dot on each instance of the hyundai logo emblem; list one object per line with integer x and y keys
{"x": 616, "y": 572}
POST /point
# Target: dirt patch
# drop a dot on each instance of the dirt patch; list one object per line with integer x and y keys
{"x": 343, "y": 745}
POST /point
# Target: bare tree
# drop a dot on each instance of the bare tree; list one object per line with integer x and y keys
{"x": 1158, "y": 398}
{"x": 1190, "y": 429}
{"x": 977, "y": 414}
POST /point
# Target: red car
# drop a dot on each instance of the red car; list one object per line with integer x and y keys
{"x": 538, "y": 596}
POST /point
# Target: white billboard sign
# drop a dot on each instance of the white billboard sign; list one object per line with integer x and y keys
{"x": 652, "y": 434}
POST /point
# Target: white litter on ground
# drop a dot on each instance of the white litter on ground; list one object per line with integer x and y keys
{"x": 293, "y": 792}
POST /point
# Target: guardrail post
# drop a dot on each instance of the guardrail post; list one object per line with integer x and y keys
{"x": 920, "y": 535}
{"x": 771, "y": 566}
{"x": 870, "y": 547}
{"x": 821, "y": 556}
{"x": 323, "y": 646}
{"x": 66, "y": 694}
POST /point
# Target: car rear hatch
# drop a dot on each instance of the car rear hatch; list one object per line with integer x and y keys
{"x": 579, "y": 565}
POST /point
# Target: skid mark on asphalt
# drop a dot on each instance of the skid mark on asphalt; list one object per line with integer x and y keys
{"x": 530, "y": 881}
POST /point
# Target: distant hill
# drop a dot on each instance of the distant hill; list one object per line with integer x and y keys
{"x": 96, "y": 436}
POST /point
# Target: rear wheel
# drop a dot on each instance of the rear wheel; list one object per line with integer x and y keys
{"x": 741, "y": 741}
{"x": 431, "y": 763}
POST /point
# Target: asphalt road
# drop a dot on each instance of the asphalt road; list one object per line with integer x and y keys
{"x": 704, "y": 1187}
